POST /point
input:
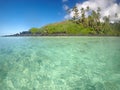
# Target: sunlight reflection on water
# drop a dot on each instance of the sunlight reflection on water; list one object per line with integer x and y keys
{"x": 60, "y": 63}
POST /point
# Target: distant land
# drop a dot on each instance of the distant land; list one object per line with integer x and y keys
{"x": 78, "y": 26}
{"x": 69, "y": 28}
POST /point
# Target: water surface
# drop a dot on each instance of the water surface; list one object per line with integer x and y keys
{"x": 60, "y": 63}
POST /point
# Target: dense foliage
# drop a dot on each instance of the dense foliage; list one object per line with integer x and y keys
{"x": 90, "y": 25}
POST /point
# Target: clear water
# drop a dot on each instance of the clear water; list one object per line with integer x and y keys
{"x": 60, "y": 63}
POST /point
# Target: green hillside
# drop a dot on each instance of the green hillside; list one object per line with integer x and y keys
{"x": 67, "y": 27}
{"x": 84, "y": 25}
{"x": 71, "y": 28}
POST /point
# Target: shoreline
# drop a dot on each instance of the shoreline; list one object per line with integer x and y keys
{"x": 59, "y": 35}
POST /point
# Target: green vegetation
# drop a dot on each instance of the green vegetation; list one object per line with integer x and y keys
{"x": 83, "y": 25}
{"x": 71, "y": 28}
{"x": 63, "y": 28}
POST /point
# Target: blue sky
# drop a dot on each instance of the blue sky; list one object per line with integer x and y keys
{"x": 21, "y": 15}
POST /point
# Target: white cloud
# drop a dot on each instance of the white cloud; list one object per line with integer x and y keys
{"x": 65, "y": 7}
{"x": 64, "y": 0}
{"x": 108, "y": 7}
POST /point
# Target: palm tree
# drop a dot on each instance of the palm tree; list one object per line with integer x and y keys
{"x": 106, "y": 19}
{"x": 87, "y": 10}
{"x": 96, "y": 20}
{"x": 90, "y": 22}
{"x": 68, "y": 11}
{"x": 94, "y": 16}
{"x": 106, "y": 26}
{"x": 82, "y": 15}
{"x": 98, "y": 27}
{"x": 98, "y": 14}
{"x": 116, "y": 15}
{"x": 76, "y": 13}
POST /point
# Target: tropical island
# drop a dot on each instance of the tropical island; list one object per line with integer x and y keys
{"x": 90, "y": 25}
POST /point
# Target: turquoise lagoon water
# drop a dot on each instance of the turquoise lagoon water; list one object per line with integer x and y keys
{"x": 60, "y": 63}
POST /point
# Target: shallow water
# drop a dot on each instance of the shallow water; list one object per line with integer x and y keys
{"x": 60, "y": 63}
